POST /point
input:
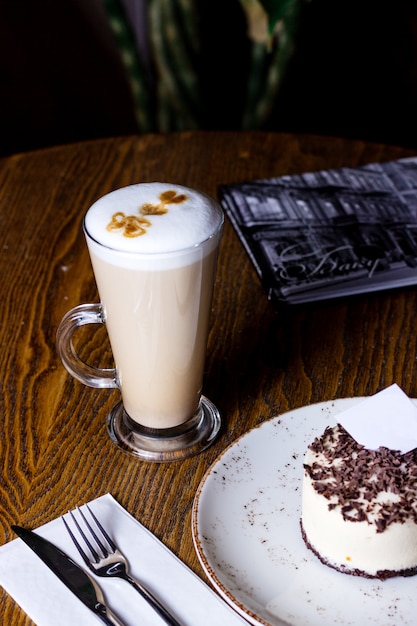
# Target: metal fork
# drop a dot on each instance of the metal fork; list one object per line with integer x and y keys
{"x": 106, "y": 559}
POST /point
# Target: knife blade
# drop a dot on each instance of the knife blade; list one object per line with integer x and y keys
{"x": 70, "y": 573}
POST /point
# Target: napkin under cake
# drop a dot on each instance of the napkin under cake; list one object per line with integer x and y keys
{"x": 359, "y": 506}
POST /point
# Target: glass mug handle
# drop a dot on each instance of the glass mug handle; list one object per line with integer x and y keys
{"x": 87, "y": 374}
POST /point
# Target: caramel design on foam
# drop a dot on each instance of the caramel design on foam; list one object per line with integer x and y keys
{"x": 137, "y": 225}
{"x": 132, "y": 225}
{"x": 352, "y": 477}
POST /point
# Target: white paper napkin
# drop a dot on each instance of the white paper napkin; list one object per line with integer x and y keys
{"x": 388, "y": 418}
{"x": 48, "y": 602}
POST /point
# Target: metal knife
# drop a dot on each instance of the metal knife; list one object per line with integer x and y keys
{"x": 73, "y": 576}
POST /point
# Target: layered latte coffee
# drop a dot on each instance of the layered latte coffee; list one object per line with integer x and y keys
{"x": 153, "y": 249}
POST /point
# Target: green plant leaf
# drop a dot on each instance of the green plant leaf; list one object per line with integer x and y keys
{"x": 276, "y": 10}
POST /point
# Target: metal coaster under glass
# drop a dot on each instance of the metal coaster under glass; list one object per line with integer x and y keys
{"x": 165, "y": 444}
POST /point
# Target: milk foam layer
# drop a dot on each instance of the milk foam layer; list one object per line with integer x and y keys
{"x": 190, "y": 218}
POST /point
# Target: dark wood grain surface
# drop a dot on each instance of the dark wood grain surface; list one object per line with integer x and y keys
{"x": 55, "y": 450}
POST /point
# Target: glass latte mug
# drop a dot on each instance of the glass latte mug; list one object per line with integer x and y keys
{"x": 153, "y": 248}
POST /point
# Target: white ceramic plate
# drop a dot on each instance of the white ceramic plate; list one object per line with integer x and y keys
{"x": 247, "y": 535}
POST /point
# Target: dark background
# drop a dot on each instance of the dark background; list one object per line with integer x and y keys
{"x": 354, "y": 73}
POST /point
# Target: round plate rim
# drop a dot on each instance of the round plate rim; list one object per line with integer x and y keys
{"x": 233, "y": 601}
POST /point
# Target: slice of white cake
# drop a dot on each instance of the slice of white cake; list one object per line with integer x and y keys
{"x": 359, "y": 506}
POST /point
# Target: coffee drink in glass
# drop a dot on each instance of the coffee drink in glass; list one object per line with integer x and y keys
{"x": 153, "y": 249}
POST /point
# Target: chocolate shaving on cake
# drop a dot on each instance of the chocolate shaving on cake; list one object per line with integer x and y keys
{"x": 353, "y": 478}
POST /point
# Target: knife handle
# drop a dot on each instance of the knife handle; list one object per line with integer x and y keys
{"x": 107, "y": 616}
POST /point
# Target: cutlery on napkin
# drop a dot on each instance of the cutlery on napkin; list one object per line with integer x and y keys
{"x": 48, "y": 602}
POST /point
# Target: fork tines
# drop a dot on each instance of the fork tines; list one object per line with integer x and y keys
{"x": 105, "y": 559}
{"x": 99, "y": 541}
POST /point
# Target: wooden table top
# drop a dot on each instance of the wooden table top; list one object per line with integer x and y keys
{"x": 55, "y": 450}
